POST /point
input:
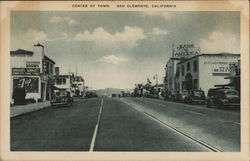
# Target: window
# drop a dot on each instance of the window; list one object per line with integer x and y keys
{"x": 59, "y": 81}
{"x": 64, "y": 80}
{"x": 51, "y": 68}
{"x": 188, "y": 66}
{"x": 182, "y": 70}
{"x": 47, "y": 68}
{"x": 195, "y": 66}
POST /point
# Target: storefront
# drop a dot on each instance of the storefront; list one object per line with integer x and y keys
{"x": 28, "y": 71}
{"x": 204, "y": 71}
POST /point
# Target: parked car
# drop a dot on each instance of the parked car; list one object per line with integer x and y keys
{"x": 62, "y": 98}
{"x": 183, "y": 96}
{"x": 90, "y": 95}
{"x": 172, "y": 96}
{"x": 223, "y": 98}
{"x": 196, "y": 96}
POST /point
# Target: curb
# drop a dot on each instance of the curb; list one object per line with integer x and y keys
{"x": 28, "y": 112}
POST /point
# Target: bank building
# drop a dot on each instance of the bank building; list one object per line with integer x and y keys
{"x": 189, "y": 69}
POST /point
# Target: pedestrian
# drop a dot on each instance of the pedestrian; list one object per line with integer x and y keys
{"x": 19, "y": 94}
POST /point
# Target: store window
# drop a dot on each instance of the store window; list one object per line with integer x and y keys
{"x": 195, "y": 66}
{"x": 188, "y": 66}
{"x": 182, "y": 70}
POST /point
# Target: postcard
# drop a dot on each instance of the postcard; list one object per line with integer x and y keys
{"x": 124, "y": 80}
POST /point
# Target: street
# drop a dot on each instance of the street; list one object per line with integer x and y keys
{"x": 127, "y": 124}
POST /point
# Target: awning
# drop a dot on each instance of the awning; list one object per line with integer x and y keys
{"x": 232, "y": 77}
{"x": 54, "y": 87}
{"x": 223, "y": 85}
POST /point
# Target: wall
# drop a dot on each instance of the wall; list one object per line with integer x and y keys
{"x": 207, "y": 64}
{"x": 19, "y": 61}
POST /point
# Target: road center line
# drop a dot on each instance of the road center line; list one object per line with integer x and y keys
{"x": 194, "y": 112}
{"x": 92, "y": 145}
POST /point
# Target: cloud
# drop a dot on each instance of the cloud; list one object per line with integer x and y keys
{"x": 128, "y": 36}
{"x": 165, "y": 15}
{"x": 65, "y": 19}
{"x": 112, "y": 59}
{"x": 63, "y": 36}
{"x": 35, "y": 35}
{"x": 219, "y": 42}
{"x": 158, "y": 31}
{"x": 32, "y": 36}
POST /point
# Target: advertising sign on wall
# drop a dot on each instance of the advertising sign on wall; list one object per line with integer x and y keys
{"x": 222, "y": 70}
{"x": 29, "y": 83}
{"x": 26, "y": 71}
{"x": 32, "y": 64}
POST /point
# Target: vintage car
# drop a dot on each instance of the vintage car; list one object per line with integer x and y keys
{"x": 62, "y": 98}
{"x": 223, "y": 98}
{"x": 182, "y": 97}
{"x": 196, "y": 96}
{"x": 172, "y": 96}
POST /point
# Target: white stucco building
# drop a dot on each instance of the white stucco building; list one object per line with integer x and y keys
{"x": 203, "y": 71}
{"x": 34, "y": 71}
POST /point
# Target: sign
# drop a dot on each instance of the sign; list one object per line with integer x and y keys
{"x": 44, "y": 66}
{"x": 222, "y": 70}
{"x": 30, "y": 84}
{"x": 26, "y": 71}
{"x": 186, "y": 51}
{"x": 32, "y": 64}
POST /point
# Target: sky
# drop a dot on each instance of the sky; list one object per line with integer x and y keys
{"x": 116, "y": 49}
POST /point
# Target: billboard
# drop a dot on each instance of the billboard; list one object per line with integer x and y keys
{"x": 31, "y": 84}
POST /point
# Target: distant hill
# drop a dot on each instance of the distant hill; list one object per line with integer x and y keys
{"x": 108, "y": 91}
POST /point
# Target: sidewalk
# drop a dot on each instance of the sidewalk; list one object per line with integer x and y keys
{"x": 22, "y": 109}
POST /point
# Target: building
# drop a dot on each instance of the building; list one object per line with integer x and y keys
{"x": 78, "y": 86}
{"x": 64, "y": 82}
{"x": 170, "y": 74}
{"x": 34, "y": 71}
{"x": 203, "y": 71}
{"x": 234, "y": 77}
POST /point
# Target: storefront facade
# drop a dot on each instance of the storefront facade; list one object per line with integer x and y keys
{"x": 204, "y": 71}
{"x": 28, "y": 70}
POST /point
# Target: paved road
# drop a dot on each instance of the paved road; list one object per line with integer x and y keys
{"x": 126, "y": 124}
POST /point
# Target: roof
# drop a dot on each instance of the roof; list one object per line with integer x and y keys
{"x": 48, "y": 59}
{"x": 21, "y": 51}
{"x": 206, "y": 54}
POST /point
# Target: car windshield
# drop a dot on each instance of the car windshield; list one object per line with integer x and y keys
{"x": 231, "y": 93}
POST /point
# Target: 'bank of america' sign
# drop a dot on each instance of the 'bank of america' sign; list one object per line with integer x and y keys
{"x": 186, "y": 51}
